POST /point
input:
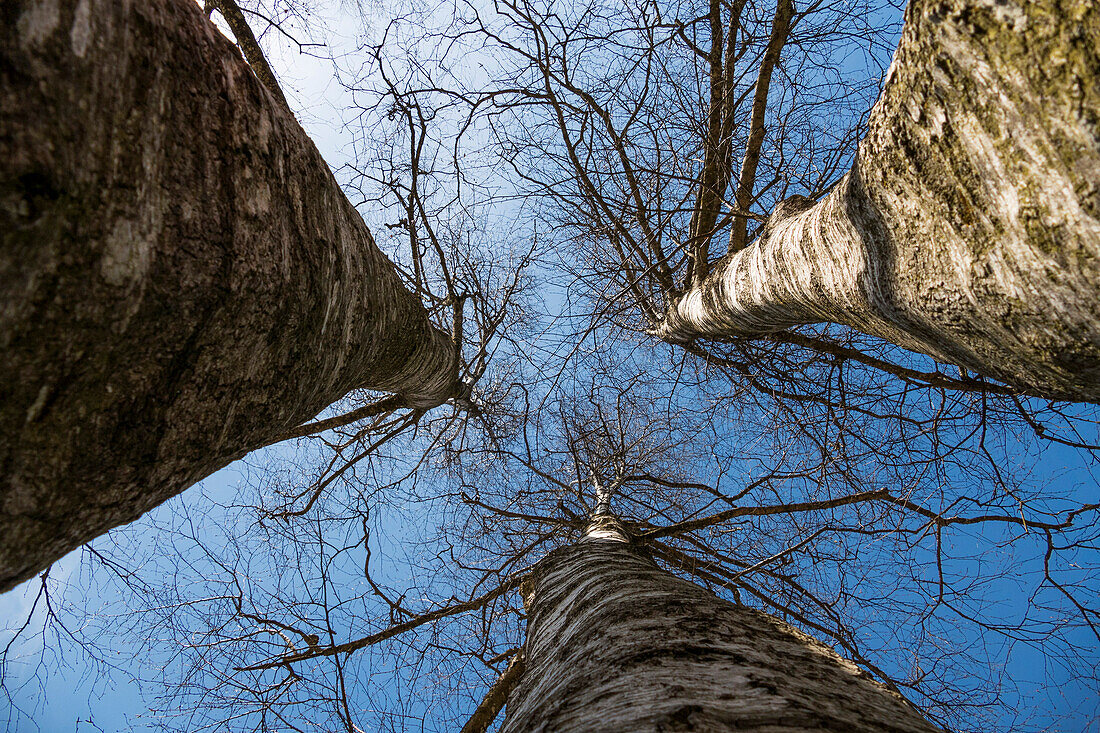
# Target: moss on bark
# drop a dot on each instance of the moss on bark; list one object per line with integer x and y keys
{"x": 968, "y": 228}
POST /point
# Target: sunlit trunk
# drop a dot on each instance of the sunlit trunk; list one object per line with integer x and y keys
{"x": 616, "y": 644}
{"x": 969, "y": 226}
{"x": 181, "y": 278}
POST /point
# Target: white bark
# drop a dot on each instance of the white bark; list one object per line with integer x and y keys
{"x": 969, "y": 226}
{"x": 616, "y": 644}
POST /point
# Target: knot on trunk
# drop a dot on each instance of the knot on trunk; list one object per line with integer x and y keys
{"x": 785, "y": 209}
{"x": 459, "y": 391}
{"x": 606, "y": 527}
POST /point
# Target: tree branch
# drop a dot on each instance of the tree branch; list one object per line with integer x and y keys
{"x": 395, "y": 630}
{"x": 250, "y": 47}
{"x": 781, "y": 26}
{"x": 497, "y": 695}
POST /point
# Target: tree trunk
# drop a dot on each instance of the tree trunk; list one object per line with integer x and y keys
{"x": 616, "y": 644}
{"x": 969, "y": 226}
{"x": 181, "y": 278}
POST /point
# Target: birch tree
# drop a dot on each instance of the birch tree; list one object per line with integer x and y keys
{"x": 969, "y": 226}
{"x": 182, "y": 278}
{"x": 697, "y": 152}
{"x": 375, "y": 579}
{"x": 614, "y": 643}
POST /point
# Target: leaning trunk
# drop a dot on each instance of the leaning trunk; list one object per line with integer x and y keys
{"x": 181, "y": 278}
{"x": 969, "y": 226}
{"x": 616, "y": 644}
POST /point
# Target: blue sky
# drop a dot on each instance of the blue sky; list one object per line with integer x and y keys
{"x": 74, "y": 696}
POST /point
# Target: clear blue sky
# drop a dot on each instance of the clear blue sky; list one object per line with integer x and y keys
{"x": 74, "y": 696}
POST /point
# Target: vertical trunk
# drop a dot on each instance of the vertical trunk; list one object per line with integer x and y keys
{"x": 616, "y": 644}
{"x": 969, "y": 226}
{"x": 181, "y": 278}
{"x": 746, "y": 179}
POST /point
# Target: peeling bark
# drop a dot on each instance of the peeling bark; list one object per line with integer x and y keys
{"x": 181, "y": 278}
{"x": 616, "y": 644}
{"x": 969, "y": 226}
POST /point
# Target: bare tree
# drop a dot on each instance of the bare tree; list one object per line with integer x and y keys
{"x": 968, "y": 226}
{"x": 878, "y": 503}
{"x": 616, "y": 643}
{"x": 183, "y": 279}
{"x": 661, "y": 132}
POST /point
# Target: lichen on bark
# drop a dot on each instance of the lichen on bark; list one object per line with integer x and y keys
{"x": 969, "y": 226}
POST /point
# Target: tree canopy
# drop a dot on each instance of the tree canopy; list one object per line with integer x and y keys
{"x": 550, "y": 178}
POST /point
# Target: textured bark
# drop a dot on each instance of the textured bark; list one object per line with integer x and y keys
{"x": 969, "y": 226}
{"x": 181, "y": 278}
{"x": 616, "y": 644}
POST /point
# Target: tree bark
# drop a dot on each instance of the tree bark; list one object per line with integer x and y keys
{"x": 181, "y": 278}
{"x": 616, "y": 644}
{"x": 969, "y": 226}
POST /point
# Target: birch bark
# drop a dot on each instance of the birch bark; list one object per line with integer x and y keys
{"x": 181, "y": 278}
{"x": 616, "y": 644}
{"x": 969, "y": 226}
